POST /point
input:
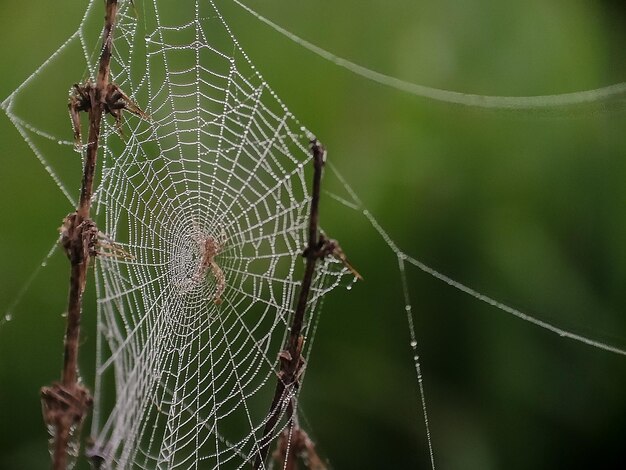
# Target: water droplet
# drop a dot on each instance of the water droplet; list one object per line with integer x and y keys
{"x": 8, "y": 316}
{"x": 44, "y": 264}
{"x": 349, "y": 286}
{"x": 60, "y": 142}
{"x": 413, "y": 344}
{"x": 407, "y": 308}
{"x": 64, "y": 315}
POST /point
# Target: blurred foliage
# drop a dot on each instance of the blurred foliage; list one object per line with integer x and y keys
{"x": 527, "y": 207}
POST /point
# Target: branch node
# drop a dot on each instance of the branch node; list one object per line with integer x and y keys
{"x": 330, "y": 247}
{"x": 111, "y": 100}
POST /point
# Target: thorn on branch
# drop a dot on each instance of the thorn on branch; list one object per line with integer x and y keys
{"x": 117, "y": 101}
{"x": 80, "y": 100}
{"x": 330, "y": 247}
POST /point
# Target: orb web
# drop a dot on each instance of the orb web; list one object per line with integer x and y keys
{"x": 210, "y": 200}
{"x": 205, "y": 206}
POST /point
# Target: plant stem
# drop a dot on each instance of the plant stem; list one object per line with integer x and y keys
{"x": 291, "y": 361}
{"x": 79, "y": 268}
{"x": 67, "y": 403}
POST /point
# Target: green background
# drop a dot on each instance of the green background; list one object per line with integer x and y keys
{"x": 527, "y": 207}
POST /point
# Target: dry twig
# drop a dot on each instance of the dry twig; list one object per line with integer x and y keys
{"x": 66, "y": 403}
{"x": 290, "y": 358}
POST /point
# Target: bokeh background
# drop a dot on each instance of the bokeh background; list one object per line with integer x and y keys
{"x": 527, "y": 207}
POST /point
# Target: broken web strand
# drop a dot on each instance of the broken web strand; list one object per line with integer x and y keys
{"x": 556, "y": 101}
{"x": 10, "y": 312}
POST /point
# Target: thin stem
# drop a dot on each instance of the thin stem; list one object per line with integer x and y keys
{"x": 67, "y": 403}
{"x": 80, "y": 265}
{"x": 97, "y": 109}
{"x": 291, "y": 361}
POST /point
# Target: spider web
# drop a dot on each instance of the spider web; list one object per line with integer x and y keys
{"x": 222, "y": 160}
{"x": 191, "y": 343}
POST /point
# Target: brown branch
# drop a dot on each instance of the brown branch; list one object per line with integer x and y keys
{"x": 291, "y": 361}
{"x": 66, "y": 404}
